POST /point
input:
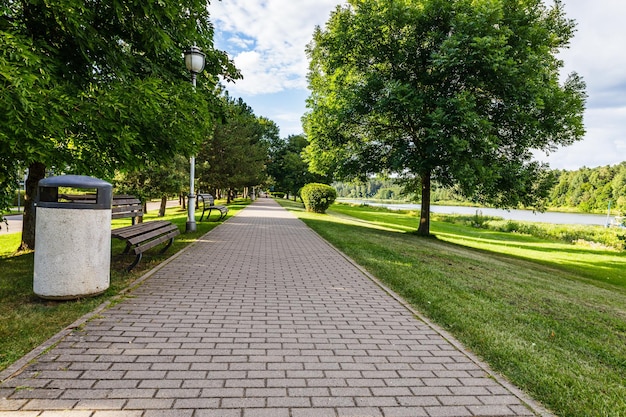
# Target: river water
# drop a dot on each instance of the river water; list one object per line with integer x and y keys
{"x": 522, "y": 215}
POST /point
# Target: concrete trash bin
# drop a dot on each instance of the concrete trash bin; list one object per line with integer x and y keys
{"x": 72, "y": 237}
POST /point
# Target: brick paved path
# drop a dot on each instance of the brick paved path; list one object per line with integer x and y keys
{"x": 260, "y": 318}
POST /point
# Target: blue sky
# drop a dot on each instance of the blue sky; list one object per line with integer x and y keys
{"x": 267, "y": 39}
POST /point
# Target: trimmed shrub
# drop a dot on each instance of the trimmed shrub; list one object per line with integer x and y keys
{"x": 317, "y": 197}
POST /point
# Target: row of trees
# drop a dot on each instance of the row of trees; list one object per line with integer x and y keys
{"x": 98, "y": 86}
{"x": 450, "y": 92}
{"x": 383, "y": 189}
{"x": 232, "y": 157}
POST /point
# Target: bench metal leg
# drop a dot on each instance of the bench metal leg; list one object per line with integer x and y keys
{"x": 127, "y": 249}
{"x": 167, "y": 246}
{"x": 135, "y": 262}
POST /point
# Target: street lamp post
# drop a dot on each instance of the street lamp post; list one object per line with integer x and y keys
{"x": 194, "y": 61}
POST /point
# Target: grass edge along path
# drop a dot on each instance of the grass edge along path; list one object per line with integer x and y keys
{"x": 27, "y": 321}
{"x": 556, "y": 334}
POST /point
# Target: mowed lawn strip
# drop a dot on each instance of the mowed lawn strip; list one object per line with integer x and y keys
{"x": 27, "y": 321}
{"x": 552, "y": 327}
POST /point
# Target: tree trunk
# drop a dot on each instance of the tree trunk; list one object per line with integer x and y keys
{"x": 36, "y": 172}
{"x": 163, "y": 205}
{"x": 424, "y": 228}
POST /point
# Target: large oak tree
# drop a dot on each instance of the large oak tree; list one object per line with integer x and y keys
{"x": 454, "y": 91}
{"x": 94, "y": 86}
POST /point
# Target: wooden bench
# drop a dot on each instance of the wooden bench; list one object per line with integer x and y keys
{"x": 140, "y": 237}
{"x": 208, "y": 204}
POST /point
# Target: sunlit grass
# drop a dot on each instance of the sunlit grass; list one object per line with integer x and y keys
{"x": 599, "y": 264}
{"x": 540, "y": 312}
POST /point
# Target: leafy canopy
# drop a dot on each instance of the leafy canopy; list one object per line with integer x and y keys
{"x": 94, "y": 86}
{"x": 234, "y": 156}
{"x": 286, "y": 166}
{"x": 454, "y": 91}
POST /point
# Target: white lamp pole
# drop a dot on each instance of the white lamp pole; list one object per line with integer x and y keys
{"x": 194, "y": 61}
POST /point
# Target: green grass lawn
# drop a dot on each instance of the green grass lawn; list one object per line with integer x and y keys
{"x": 549, "y": 316}
{"x": 598, "y": 264}
{"x": 27, "y": 321}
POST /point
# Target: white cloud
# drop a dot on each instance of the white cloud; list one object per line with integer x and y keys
{"x": 597, "y": 50}
{"x": 597, "y": 54}
{"x": 280, "y": 30}
{"x": 604, "y": 144}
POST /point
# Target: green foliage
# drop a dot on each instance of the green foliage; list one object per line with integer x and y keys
{"x": 317, "y": 197}
{"x": 234, "y": 155}
{"x": 15, "y": 198}
{"x": 286, "y": 166}
{"x": 96, "y": 86}
{"x": 591, "y": 189}
{"x": 376, "y": 188}
{"x": 585, "y": 189}
{"x": 457, "y": 92}
{"x": 154, "y": 180}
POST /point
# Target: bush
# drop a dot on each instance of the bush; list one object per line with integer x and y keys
{"x": 317, "y": 197}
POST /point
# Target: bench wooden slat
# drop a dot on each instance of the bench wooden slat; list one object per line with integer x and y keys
{"x": 148, "y": 245}
{"x": 130, "y": 207}
{"x": 138, "y": 229}
{"x": 151, "y": 233}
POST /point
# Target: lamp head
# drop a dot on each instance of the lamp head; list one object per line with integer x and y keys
{"x": 194, "y": 60}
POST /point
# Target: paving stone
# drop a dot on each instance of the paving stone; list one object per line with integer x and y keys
{"x": 120, "y": 413}
{"x": 359, "y": 412}
{"x": 168, "y": 413}
{"x": 313, "y": 412}
{"x": 66, "y": 413}
{"x": 404, "y": 412}
{"x": 101, "y": 404}
{"x": 11, "y": 405}
{"x": 45, "y": 404}
{"x": 218, "y": 413}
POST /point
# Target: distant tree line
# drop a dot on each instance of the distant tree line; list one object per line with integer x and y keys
{"x": 586, "y": 190}
{"x": 591, "y": 189}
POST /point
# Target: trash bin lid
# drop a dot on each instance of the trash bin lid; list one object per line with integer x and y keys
{"x": 48, "y": 192}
